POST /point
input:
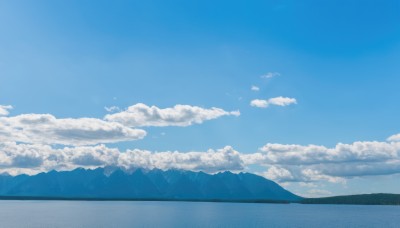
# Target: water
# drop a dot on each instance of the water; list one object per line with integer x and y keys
{"x": 88, "y": 214}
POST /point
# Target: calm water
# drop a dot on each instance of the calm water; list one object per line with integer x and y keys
{"x": 73, "y": 214}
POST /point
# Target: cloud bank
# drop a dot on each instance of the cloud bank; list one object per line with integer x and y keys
{"x": 33, "y": 158}
{"x": 314, "y": 163}
{"x": 280, "y": 162}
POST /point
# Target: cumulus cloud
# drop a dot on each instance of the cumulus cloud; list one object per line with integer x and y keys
{"x": 394, "y": 138}
{"x": 302, "y": 174}
{"x": 16, "y": 158}
{"x": 319, "y": 163}
{"x": 210, "y": 161}
{"x": 5, "y": 110}
{"x": 278, "y": 173}
{"x": 282, "y": 101}
{"x": 47, "y": 129}
{"x": 255, "y": 88}
{"x": 278, "y": 101}
{"x": 259, "y": 103}
{"x": 314, "y": 154}
{"x": 270, "y": 75}
{"x": 141, "y": 115}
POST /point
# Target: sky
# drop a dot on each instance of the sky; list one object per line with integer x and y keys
{"x": 305, "y": 93}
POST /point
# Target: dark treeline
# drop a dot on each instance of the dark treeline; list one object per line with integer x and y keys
{"x": 364, "y": 199}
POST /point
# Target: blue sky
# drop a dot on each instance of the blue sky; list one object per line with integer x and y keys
{"x": 337, "y": 59}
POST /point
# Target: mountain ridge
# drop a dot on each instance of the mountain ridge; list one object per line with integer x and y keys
{"x": 144, "y": 184}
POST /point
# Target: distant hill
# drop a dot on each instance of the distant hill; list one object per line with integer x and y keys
{"x": 144, "y": 184}
{"x": 365, "y": 199}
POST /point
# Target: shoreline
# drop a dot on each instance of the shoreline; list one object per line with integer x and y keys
{"x": 141, "y": 199}
{"x": 364, "y": 199}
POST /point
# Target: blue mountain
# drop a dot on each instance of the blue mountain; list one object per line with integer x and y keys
{"x": 115, "y": 183}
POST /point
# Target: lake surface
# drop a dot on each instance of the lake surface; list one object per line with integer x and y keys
{"x": 120, "y": 214}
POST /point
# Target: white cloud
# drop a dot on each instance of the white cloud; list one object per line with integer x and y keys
{"x": 47, "y": 129}
{"x": 313, "y": 175}
{"x": 313, "y": 154}
{"x": 282, "y": 101}
{"x": 394, "y": 138}
{"x": 33, "y": 158}
{"x": 301, "y": 174}
{"x": 211, "y": 161}
{"x": 112, "y": 109}
{"x": 270, "y": 75}
{"x": 259, "y": 103}
{"x": 318, "y": 163}
{"x": 179, "y": 115}
{"x": 278, "y": 101}
{"x": 4, "y": 110}
{"x": 278, "y": 173}
{"x": 255, "y": 88}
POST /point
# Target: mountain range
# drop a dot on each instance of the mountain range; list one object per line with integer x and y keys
{"x": 115, "y": 183}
